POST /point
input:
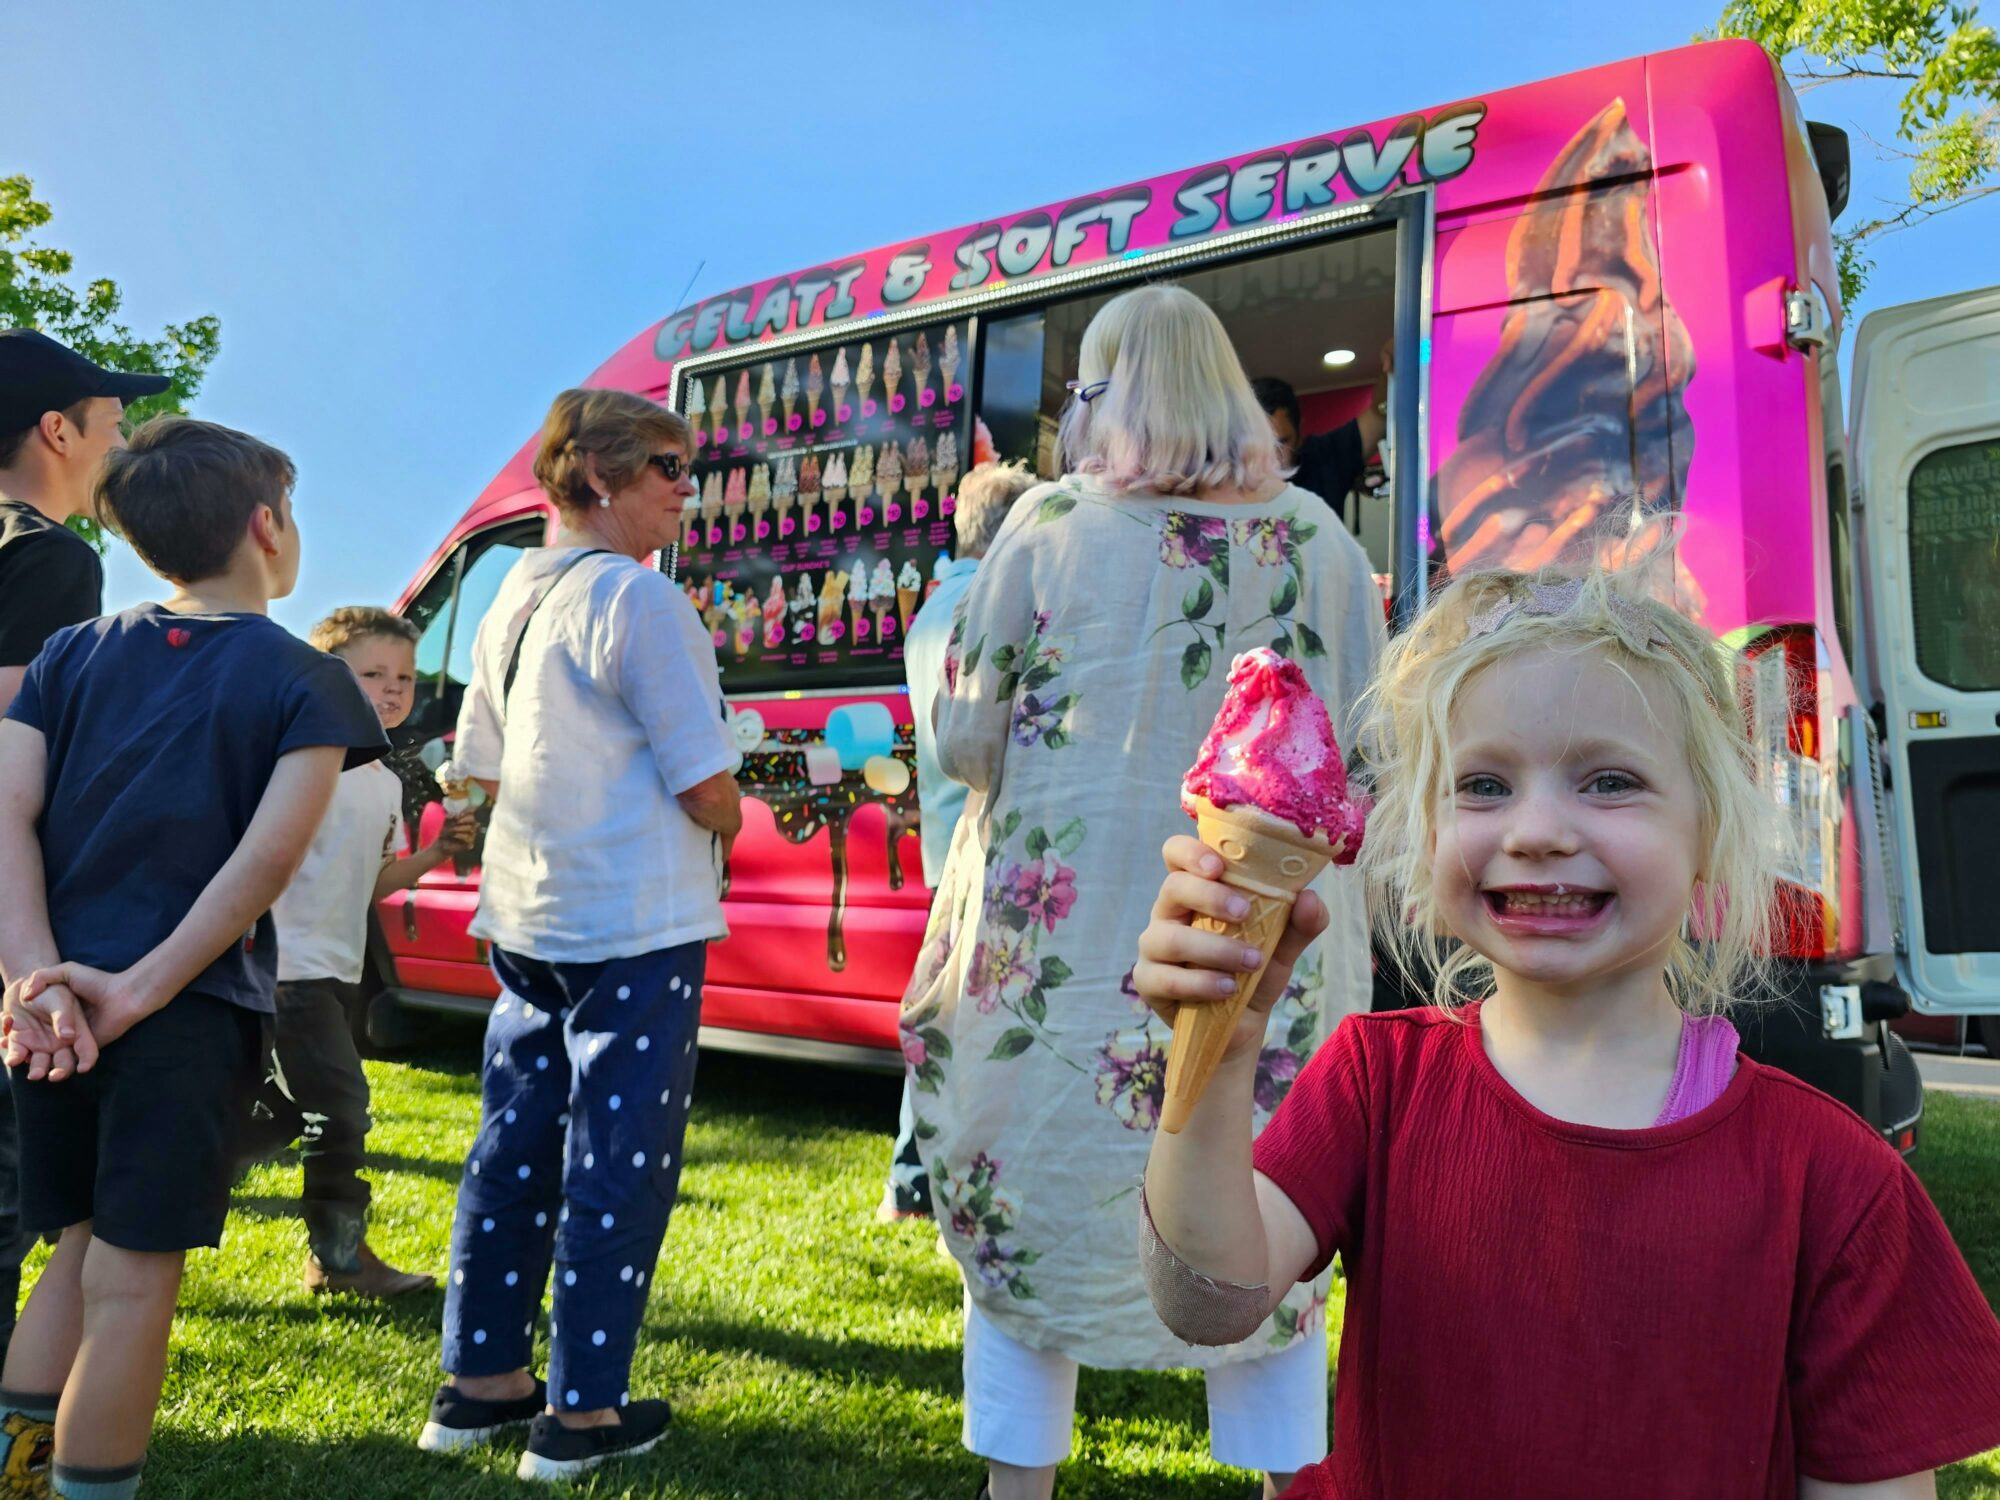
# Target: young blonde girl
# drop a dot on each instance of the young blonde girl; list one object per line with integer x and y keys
{"x": 1590, "y": 1249}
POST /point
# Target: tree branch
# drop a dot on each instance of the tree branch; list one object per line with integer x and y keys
{"x": 1806, "y": 77}
{"x": 1913, "y": 214}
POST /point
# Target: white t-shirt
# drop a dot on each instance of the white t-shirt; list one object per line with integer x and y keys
{"x": 322, "y": 916}
{"x": 616, "y": 710}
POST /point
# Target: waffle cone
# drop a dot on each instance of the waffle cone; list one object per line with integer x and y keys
{"x": 1270, "y": 861}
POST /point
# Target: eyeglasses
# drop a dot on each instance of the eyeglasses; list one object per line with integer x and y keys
{"x": 1084, "y": 392}
{"x": 669, "y": 464}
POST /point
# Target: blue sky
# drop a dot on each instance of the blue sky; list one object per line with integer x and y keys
{"x": 419, "y": 221}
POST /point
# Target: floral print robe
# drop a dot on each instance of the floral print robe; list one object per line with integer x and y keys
{"x": 1086, "y": 663}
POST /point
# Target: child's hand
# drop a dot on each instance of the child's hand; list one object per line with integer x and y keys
{"x": 459, "y": 834}
{"x": 46, "y": 1030}
{"x": 1179, "y": 965}
{"x": 112, "y": 1005}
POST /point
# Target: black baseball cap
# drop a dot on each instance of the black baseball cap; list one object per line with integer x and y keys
{"x": 38, "y": 375}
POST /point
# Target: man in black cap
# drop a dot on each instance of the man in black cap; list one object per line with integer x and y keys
{"x": 59, "y": 415}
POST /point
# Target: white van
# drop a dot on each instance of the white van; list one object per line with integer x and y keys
{"x": 1924, "y": 441}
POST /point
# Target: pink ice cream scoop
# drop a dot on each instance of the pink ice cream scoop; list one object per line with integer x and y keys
{"x": 1272, "y": 747}
{"x": 1269, "y": 795}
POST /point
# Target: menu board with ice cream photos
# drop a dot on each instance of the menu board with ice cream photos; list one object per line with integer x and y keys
{"x": 828, "y": 481}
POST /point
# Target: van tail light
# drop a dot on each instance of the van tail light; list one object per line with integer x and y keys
{"x": 1779, "y": 680}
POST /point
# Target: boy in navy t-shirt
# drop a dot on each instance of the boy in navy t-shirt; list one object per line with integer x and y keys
{"x": 162, "y": 773}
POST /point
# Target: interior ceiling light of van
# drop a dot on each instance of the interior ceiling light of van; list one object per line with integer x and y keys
{"x": 1283, "y": 312}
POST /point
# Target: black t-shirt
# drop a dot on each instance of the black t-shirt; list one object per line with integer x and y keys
{"x": 1330, "y": 463}
{"x": 49, "y": 577}
{"x": 162, "y": 733}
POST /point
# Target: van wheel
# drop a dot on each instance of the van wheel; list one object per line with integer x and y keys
{"x": 385, "y": 1027}
{"x": 1986, "y": 1031}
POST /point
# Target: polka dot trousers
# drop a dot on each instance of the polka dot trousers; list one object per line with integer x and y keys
{"x": 588, "y": 1080}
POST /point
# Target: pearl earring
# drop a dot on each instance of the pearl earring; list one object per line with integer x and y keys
{"x": 605, "y": 501}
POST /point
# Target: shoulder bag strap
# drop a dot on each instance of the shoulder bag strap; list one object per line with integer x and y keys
{"x": 514, "y": 656}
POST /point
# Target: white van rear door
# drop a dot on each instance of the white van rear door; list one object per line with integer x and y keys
{"x": 1925, "y": 435}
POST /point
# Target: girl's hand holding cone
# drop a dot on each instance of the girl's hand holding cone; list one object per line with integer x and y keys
{"x": 1181, "y": 963}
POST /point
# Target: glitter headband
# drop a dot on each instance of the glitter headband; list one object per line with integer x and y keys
{"x": 1550, "y": 600}
{"x": 1547, "y": 600}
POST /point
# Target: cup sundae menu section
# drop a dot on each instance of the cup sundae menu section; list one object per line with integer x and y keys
{"x": 828, "y": 482}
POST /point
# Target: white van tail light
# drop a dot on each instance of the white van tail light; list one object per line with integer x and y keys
{"x": 1780, "y": 682}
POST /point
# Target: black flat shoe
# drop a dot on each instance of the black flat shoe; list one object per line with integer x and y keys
{"x": 558, "y": 1452}
{"x": 459, "y": 1421}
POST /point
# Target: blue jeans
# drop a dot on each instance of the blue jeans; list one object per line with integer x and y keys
{"x": 587, "y": 1084}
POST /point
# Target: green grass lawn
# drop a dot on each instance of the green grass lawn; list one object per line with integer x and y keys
{"x": 808, "y": 1350}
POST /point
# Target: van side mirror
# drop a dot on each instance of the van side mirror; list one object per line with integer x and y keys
{"x": 1831, "y": 156}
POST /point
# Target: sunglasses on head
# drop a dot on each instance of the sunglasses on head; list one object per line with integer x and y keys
{"x": 669, "y": 464}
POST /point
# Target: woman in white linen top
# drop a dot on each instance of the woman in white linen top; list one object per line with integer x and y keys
{"x": 595, "y": 717}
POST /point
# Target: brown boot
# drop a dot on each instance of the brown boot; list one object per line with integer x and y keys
{"x": 373, "y": 1277}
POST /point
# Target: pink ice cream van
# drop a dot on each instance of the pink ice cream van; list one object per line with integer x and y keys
{"x": 1611, "y": 300}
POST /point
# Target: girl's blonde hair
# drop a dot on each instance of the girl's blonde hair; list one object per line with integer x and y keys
{"x": 1718, "y": 958}
{"x": 1176, "y": 415}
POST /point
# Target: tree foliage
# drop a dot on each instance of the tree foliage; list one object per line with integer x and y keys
{"x": 1948, "y": 117}
{"x": 38, "y": 289}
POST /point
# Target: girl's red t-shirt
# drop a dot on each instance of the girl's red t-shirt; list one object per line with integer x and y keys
{"x": 1543, "y": 1310}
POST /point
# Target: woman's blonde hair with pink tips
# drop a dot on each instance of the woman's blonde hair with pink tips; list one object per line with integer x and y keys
{"x": 1175, "y": 415}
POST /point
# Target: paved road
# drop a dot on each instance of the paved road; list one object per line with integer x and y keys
{"x": 1975, "y": 1076}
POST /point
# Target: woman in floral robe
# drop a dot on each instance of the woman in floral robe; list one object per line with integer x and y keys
{"x": 1087, "y": 661}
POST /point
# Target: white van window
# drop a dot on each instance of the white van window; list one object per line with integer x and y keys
{"x": 1955, "y": 565}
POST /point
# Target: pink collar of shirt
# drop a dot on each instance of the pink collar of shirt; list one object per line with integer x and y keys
{"x": 1707, "y": 1062}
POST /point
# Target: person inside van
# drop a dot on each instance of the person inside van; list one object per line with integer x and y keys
{"x": 1329, "y": 464}
{"x": 595, "y": 720}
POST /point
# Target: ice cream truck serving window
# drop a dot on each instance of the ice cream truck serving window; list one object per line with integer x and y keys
{"x": 1578, "y": 319}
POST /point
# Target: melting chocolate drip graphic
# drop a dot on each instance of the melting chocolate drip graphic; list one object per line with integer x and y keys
{"x": 778, "y": 779}
{"x": 1576, "y": 431}
{"x": 899, "y": 824}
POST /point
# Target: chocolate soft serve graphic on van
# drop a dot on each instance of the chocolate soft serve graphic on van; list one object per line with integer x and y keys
{"x": 1580, "y": 411}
